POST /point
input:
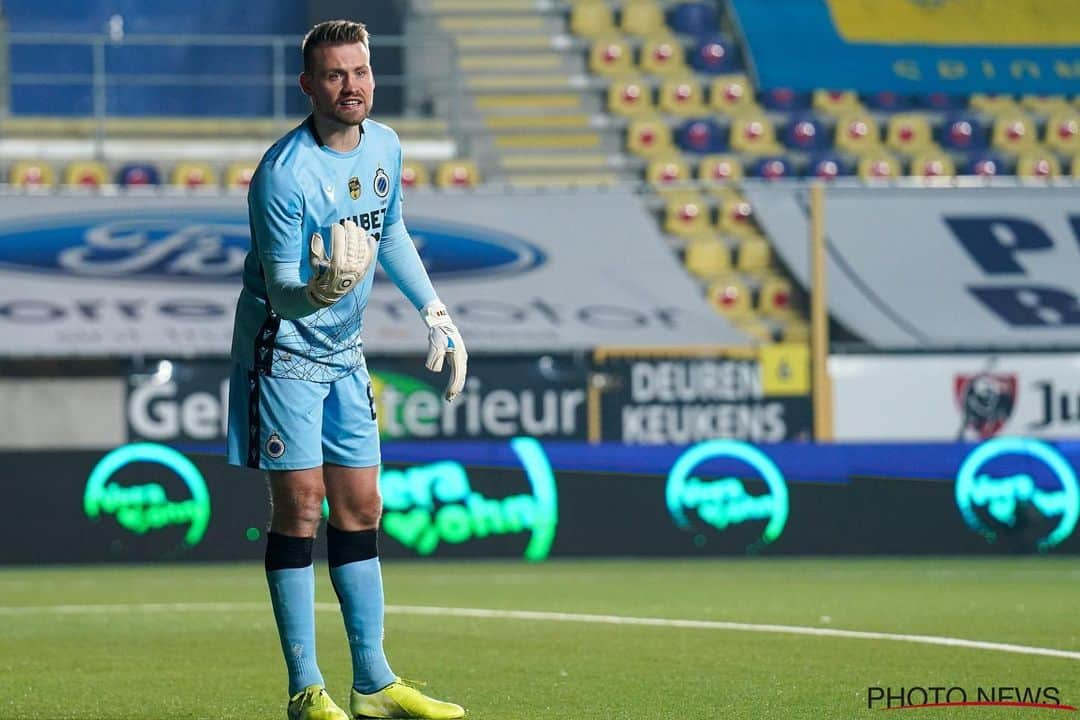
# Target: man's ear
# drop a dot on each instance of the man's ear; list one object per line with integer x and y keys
{"x": 305, "y": 83}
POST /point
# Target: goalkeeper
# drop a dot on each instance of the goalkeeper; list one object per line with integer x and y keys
{"x": 324, "y": 204}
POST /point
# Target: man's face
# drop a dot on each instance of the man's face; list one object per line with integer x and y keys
{"x": 340, "y": 82}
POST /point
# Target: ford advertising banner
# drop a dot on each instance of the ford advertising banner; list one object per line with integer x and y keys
{"x": 940, "y": 268}
{"x": 914, "y": 46}
{"x": 159, "y": 275}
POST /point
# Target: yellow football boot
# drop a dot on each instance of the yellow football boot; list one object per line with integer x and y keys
{"x": 398, "y": 700}
{"x": 312, "y": 703}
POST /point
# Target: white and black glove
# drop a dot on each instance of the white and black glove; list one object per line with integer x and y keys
{"x": 443, "y": 339}
{"x": 351, "y": 253}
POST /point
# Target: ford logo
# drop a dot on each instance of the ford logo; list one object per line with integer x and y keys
{"x": 211, "y": 246}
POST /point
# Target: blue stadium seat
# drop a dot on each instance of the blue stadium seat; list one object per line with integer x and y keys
{"x": 772, "y": 168}
{"x": 138, "y": 174}
{"x": 887, "y": 101}
{"x": 714, "y": 55}
{"x": 941, "y": 101}
{"x": 806, "y": 133}
{"x": 964, "y": 132}
{"x": 986, "y": 164}
{"x": 693, "y": 18}
{"x": 702, "y": 135}
{"x": 828, "y": 166}
{"x": 785, "y": 99}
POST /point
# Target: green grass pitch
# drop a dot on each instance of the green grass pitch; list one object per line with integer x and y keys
{"x": 198, "y": 641}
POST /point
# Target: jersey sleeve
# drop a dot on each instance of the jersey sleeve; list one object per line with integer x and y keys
{"x": 397, "y": 252}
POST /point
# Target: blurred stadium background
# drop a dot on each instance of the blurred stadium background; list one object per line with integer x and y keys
{"x": 738, "y": 278}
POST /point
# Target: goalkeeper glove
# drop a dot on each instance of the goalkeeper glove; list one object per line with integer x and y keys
{"x": 351, "y": 253}
{"x": 443, "y": 338}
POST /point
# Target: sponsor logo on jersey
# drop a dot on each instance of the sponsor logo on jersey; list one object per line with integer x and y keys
{"x": 354, "y": 187}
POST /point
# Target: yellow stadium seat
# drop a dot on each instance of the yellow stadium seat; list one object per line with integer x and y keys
{"x": 648, "y": 136}
{"x": 707, "y": 257}
{"x": 1037, "y": 163}
{"x": 730, "y": 296}
{"x": 734, "y": 215}
{"x": 1013, "y": 132}
{"x": 1074, "y": 167}
{"x": 753, "y": 254}
{"x": 194, "y": 175}
{"x": 731, "y": 94}
{"x": 591, "y": 19}
{"x": 682, "y": 97}
{"x": 611, "y": 56}
{"x": 1045, "y": 104}
{"x": 630, "y": 97}
{"x": 774, "y": 297}
{"x": 932, "y": 164}
{"x": 837, "y": 102}
{"x": 414, "y": 175}
{"x": 720, "y": 169}
{"x": 795, "y": 330}
{"x": 666, "y": 172}
{"x": 753, "y": 133}
{"x": 86, "y": 174}
{"x": 662, "y": 56}
{"x": 857, "y": 133}
{"x": 457, "y": 174}
{"x": 1063, "y": 132}
{"x": 909, "y": 132}
{"x": 31, "y": 173}
{"x": 993, "y": 104}
{"x": 238, "y": 175}
{"x": 686, "y": 216}
{"x": 643, "y": 18}
{"x": 878, "y": 165}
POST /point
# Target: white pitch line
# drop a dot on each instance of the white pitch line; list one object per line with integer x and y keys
{"x": 554, "y": 617}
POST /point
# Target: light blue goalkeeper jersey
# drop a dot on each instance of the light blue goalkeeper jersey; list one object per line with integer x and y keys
{"x": 302, "y": 187}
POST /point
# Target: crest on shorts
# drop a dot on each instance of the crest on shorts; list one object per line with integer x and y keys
{"x": 275, "y": 446}
{"x": 381, "y": 184}
{"x": 354, "y": 187}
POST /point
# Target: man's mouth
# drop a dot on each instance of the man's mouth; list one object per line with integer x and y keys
{"x": 351, "y": 102}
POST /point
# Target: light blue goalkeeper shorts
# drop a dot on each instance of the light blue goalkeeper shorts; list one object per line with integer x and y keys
{"x": 286, "y": 424}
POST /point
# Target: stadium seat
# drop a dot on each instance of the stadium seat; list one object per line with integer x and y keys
{"x": 193, "y": 175}
{"x": 714, "y": 55}
{"x": 930, "y": 164}
{"x": 806, "y": 133}
{"x": 642, "y": 18}
{"x": 686, "y": 216}
{"x": 611, "y": 56}
{"x": 774, "y": 297}
{"x": 648, "y": 136}
{"x": 986, "y": 165}
{"x": 701, "y": 135}
{"x": 662, "y": 56}
{"x": 753, "y": 133}
{"x": 719, "y": 170}
{"x": 730, "y": 296}
{"x": 591, "y": 18}
{"x": 753, "y": 254}
{"x": 707, "y": 257}
{"x": 238, "y": 175}
{"x": 785, "y": 100}
{"x": 1045, "y": 104}
{"x": 1037, "y": 164}
{"x": 693, "y": 18}
{"x": 682, "y": 97}
{"x": 775, "y": 167}
{"x": 457, "y": 174}
{"x": 909, "y": 133}
{"x": 734, "y": 215}
{"x": 857, "y": 133}
{"x": 1063, "y": 132}
{"x": 86, "y": 174}
{"x": 137, "y": 175}
{"x": 1074, "y": 167}
{"x": 828, "y": 166}
{"x": 414, "y": 175}
{"x": 836, "y": 102}
{"x": 964, "y": 132}
{"x": 666, "y": 172}
{"x": 878, "y": 165}
{"x": 942, "y": 102}
{"x": 1013, "y": 132}
{"x": 630, "y": 96}
{"x": 731, "y": 94}
{"x": 887, "y": 101}
{"x": 993, "y": 104}
{"x": 31, "y": 173}
{"x": 795, "y": 330}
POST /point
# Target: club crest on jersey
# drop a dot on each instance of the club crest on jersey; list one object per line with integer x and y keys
{"x": 354, "y": 187}
{"x": 382, "y": 184}
{"x": 275, "y": 446}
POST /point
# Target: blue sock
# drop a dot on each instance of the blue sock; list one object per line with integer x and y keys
{"x": 357, "y": 577}
{"x": 292, "y": 593}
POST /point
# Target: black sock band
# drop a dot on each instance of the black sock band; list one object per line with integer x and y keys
{"x": 286, "y": 551}
{"x": 348, "y": 546}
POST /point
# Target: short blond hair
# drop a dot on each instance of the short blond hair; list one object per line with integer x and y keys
{"x": 332, "y": 32}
